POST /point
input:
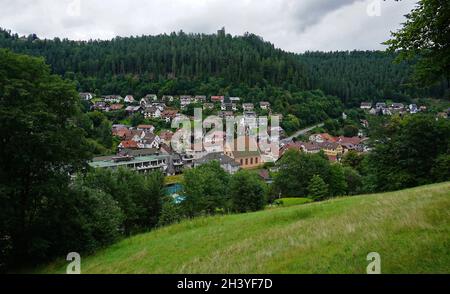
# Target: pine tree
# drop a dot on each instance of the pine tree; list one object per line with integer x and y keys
{"x": 317, "y": 188}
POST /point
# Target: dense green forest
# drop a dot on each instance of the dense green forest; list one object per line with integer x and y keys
{"x": 366, "y": 76}
{"x": 245, "y": 66}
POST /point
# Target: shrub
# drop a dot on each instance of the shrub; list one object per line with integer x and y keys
{"x": 247, "y": 192}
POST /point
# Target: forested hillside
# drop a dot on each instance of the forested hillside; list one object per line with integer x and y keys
{"x": 365, "y": 75}
{"x": 245, "y": 66}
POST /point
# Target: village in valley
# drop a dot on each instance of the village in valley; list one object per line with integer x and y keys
{"x": 146, "y": 147}
{"x": 152, "y": 144}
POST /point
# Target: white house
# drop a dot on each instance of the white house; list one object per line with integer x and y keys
{"x": 248, "y": 106}
{"x": 366, "y": 105}
{"x": 132, "y": 109}
{"x": 86, "y": 96}
{"x": 146, "y": 128}
{"x": 137, "y": 135}
{"x": 145, "y": 102}
{"x": 226, "y": 162}
{"x": 149, "y": 141}
{"x": 185, "y": 100}
{"x": 413, "y": 108}
{"x": 264, "y": 105}
{"x": 113, "y": 98}
{"x": 214, "y": 141}
{"x": 208, "y": 106}
{"x": 200, "y": 98}
{"x": 152, "y": 97}
{"x": 152, "y": 112}
{"x": 128, "y": 99}
{"x": 167, "y": 98}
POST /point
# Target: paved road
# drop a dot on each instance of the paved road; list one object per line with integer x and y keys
{"x": 301, "y": 132}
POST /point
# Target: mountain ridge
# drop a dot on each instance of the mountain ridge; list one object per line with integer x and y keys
{"x": 247, "y": 66}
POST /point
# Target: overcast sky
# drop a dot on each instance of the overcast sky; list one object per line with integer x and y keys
{"x": 293, "y": 25}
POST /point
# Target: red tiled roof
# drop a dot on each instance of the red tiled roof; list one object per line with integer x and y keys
{"x": 296, "y": 146}
{"x": 145, "y": 127}
{"x": 129, "y": 144}
{"x": 217, "y": 98}
{"x": 122, "y": 132}
{"x": 332, "y": 158}
{"x": 349, "y": 140}
{"x": 166, "y": 135}
{"x": 116, "y": 107}
{"x": 169, "y": 113}
{"x": 328, "y": 137}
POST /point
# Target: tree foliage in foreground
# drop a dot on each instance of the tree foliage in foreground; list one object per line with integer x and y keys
{"x": 247, "y": 192}
{"x": 296, "y": 169}
{"x": 411, "y": 151}
{"x": 208, "y": 189}
{"x": 205, "y": 189}
{"x": 46, "y": 212}
{"x": 41, "y": 146}
{"x": 317, "y": 189}
{"x": 138, "y": 196}
{"x": 425, "y": 35}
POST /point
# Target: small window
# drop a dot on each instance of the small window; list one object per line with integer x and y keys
{"x": 246, "y": 161}
{"x": 242, "y": 161}
{"x": 251, "y": 160}
{"x": 256, "y": 160}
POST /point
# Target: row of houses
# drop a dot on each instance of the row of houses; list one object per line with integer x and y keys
{"x": 143, "y": 138}
{"x": 141, "y": 149}
{"x": 227, "y": 103}
{"x": 333, "y": 147}
{"x": 144, "y": 161}
{"x": 136, "y": 154}
{"x": 384, "y": 109}
{"x": 108, "y": 98}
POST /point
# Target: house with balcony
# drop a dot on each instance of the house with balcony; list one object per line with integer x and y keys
{"x": 226, "y": 163}
{"x": 208, "y": 106}
{"x": 146, "y": 128}
{"x": 132, "y": 109}
{"x": 86, "y": 96}
{"x": 248, "y": 107}
{"x": 366, "y": 105}
{"x": 185, "y": 100}
{"x": 113, "y": 98}
{"x": 143, "y": 164}
{"x": 264, "y": 105}
{"x": 215, "y": 99}
{"x": 169, "y": 114}
{"x": 152, "y": 112}
{"x": 167, "y": 98}
{"x": 200, "y": 98}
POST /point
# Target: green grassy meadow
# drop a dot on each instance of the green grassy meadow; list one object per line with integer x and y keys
{"x": 286, "y": 202}
{"x": 410, "y": 229}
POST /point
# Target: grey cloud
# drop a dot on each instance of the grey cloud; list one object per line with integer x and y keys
{"x": 290, "y": 24}
{"x": 307, "y": 13}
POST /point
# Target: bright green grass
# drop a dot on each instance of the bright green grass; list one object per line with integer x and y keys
{"x": 176, "y": 179}
{"x": 410, "y": 229}
{"x": 294, "y": 201}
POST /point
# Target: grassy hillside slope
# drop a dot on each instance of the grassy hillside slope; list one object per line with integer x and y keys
{"x": 410, "y": 229}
